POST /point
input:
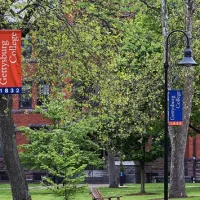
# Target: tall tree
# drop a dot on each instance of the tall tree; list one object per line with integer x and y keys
{"x": 24, "y": 15}
{"x": 178, "y": 135}
{"x": 19, "y": 187}
{"x": 122, "y": 75}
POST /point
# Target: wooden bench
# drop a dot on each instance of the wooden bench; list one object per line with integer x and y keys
{"x": 96, "y": 195}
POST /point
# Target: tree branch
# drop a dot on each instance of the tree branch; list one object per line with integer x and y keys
{"x": 194, "y": 129}
{"x": 150, "y": 6}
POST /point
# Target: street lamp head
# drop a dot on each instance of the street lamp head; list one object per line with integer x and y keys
{"x": 187, "y": 60}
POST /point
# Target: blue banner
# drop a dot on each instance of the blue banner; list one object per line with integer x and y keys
{"x": 175, "y": 108}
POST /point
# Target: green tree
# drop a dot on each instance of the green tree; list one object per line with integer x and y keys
{"x": 119, "y": 69}
{"x": 144, "y": 147}
{"x": 14, "y": 15}
{"x": 130, "y": 93}
{"x": 64, "y": 149}
{"x": 55, "y": 153}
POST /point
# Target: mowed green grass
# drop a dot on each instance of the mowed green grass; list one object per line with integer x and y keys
{"x": 154, "y": 192}
{"x": 128, "y": 192}
{"x": 37, "y": 192}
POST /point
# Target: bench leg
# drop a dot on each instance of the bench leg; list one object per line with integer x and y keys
{"x": 118, "y": 198}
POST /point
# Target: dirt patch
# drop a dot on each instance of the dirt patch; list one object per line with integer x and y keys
{"x": 141, "y": 194}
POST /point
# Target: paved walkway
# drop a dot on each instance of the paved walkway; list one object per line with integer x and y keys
{"x": 98, "y": 185}
{"x": 40, "y": 186}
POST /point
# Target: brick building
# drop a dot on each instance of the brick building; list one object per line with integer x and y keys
{"x": 192, "y": 163}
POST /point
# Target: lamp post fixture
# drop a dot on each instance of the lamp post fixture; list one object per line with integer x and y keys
{"x": 187, "y": 61}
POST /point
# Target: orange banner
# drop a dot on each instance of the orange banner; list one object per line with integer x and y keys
{"x": 10, "y": 62}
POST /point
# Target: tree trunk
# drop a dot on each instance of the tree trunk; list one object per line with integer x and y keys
{"x": 142, "y": 173}
{"x": 177, "y": 174}
{"x": 15, "y": 172}
{"x": 178, "y": 135}
{"x": 113, "y": 182}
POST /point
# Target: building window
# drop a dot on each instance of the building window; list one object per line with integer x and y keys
{"x": 25, "y": 99}
{"x": 43, "y": 93}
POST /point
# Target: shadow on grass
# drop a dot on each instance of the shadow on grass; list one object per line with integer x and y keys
{"x": 178, "y": 198}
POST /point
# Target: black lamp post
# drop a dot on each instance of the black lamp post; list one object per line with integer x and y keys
{"x": 187, "y": 61}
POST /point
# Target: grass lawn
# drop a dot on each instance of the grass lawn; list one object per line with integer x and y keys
{"x": 37, "y": 192}
{"x": 154, "y": 191}
{"x": 128, "y": 192}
